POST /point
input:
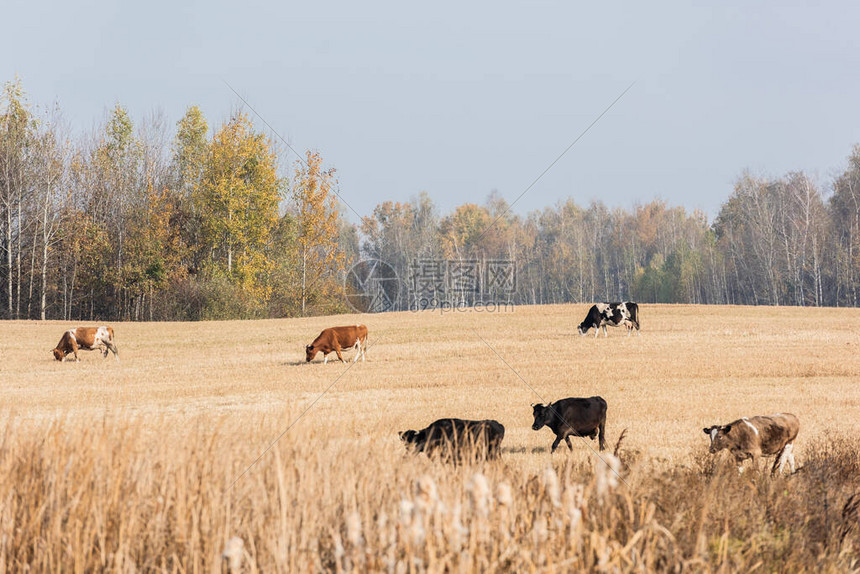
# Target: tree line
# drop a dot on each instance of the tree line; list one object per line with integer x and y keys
{"x": 182, "y": 222}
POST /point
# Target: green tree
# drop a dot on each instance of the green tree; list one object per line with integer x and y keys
{"x": 237, "y": 200}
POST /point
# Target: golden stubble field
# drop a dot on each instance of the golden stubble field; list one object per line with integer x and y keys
{"x": 691, "y": 367}
{"x": 145, "y": 462}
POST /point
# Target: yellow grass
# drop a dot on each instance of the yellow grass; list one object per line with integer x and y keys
{"x": 109, "y": 465}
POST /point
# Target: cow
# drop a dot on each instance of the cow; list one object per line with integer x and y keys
{"x": 573, "y": 417}
{"x": 457, "y": 439}
{"x": 602, "y": 314}
{"x": 339, "y": 339}
{"x": 755, "y": 437}
{"x": 85, "y": 338}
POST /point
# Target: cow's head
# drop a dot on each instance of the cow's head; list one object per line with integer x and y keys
{"x": 542, "y": 414}
{"x": 583, "y": 328}
{"x": 58, "y": 354}
{"x": 310, "y": 353}
{"x": 719, "y": 437}
{"x": 414, "y": 440}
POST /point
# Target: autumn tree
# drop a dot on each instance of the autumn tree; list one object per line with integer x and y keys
{"x": 16, "y": 135}
{"x": 237, "y": 200}
{"x": 320, "y": 262}
{"x": 844, "y": 210}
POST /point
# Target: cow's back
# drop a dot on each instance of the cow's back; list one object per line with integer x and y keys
{"x": 576, "y": 407}
{"x": 776, "y": 431}
{"x": 85, "y": 336}
{"x": 458, "y": 437}
{"x": 345, "y": 336}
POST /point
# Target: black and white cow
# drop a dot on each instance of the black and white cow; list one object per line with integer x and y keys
{"x": 602, "y": 314}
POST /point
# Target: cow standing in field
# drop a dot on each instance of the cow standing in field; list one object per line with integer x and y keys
{"x": 602, "y": 314}
{"x": 339, "y": 339}
{"x": 88, "y": 339}
{"x": 573, "y": 416}
{"x": 457, "y": 439}
{"x": 755, "y": 437}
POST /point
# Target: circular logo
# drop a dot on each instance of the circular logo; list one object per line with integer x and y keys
{"x": 371, "y": 286}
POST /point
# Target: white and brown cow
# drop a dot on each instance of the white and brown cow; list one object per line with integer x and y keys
{"x": 602, "y": 314}
{"x": 88, "y": 339}
{"x": 755, "y": 437}
{"x": 337, "y": 339}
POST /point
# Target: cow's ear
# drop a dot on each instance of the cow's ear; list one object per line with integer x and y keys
{"x": 707, "y": 430}
{"x": 727, "y": 428}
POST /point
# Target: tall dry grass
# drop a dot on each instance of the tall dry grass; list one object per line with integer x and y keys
{"x": 116, "y": 497}
{"x": 131, "y": 466}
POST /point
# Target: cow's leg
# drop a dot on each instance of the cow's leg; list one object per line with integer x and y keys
{"x": 325, "y": 358}
{"x": 357, "y": 349}
{"x": 778, "y": 461}
{"x": 339, "y": 355}
{"x": 363, "y": 349}
{"x": 787, "y": 457}
{"x": 555, "y": 443}
{"x": 75, "y": 350}
{"x": 756, "y": 460}
{"x": 739, "y": 460}
{"x": 790, "y": 447}
{"x": 596, "y": 331}
{"x": 567, "y": 440}
{"x": 605, "y": 333}
{"x": 113, "y": 349}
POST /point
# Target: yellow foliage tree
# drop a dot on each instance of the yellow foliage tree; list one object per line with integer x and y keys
{"x": 320, "y": 259}
{"x": 237, "y": 200}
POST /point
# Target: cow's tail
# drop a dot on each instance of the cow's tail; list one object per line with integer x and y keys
{"x": 601, "y": 434}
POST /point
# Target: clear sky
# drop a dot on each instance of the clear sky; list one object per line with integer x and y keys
{"x": 461, "y": 98}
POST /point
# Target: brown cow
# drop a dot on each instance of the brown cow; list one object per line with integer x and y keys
{"x": 339, "y": 339}
{"x": 755, "y": 437}
{"x": 86, "y": 338}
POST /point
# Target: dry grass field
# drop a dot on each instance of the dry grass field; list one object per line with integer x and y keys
{"x": 154, "y": 462}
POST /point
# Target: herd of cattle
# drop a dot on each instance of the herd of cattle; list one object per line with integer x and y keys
{"x": 457, "y": 439}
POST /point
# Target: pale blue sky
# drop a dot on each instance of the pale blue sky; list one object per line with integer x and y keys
{"x": 458, "y": 99}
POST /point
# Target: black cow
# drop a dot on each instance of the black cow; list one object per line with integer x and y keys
{"x": 573, "y": 416}
{"x": 456, "y": 438}
{"x": 601, "y": 314}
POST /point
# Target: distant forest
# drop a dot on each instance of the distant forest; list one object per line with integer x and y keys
{"x": 161, "y": 222}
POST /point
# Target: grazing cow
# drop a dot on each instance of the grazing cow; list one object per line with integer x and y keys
{"x": 755, "y": 437}
{"x": 614, "y": 314}
{"x": 339, "y": 339}
{"x": 456, "y": 439}
{"x": 85, "y": 338}
{"x": 573, "y": 417}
